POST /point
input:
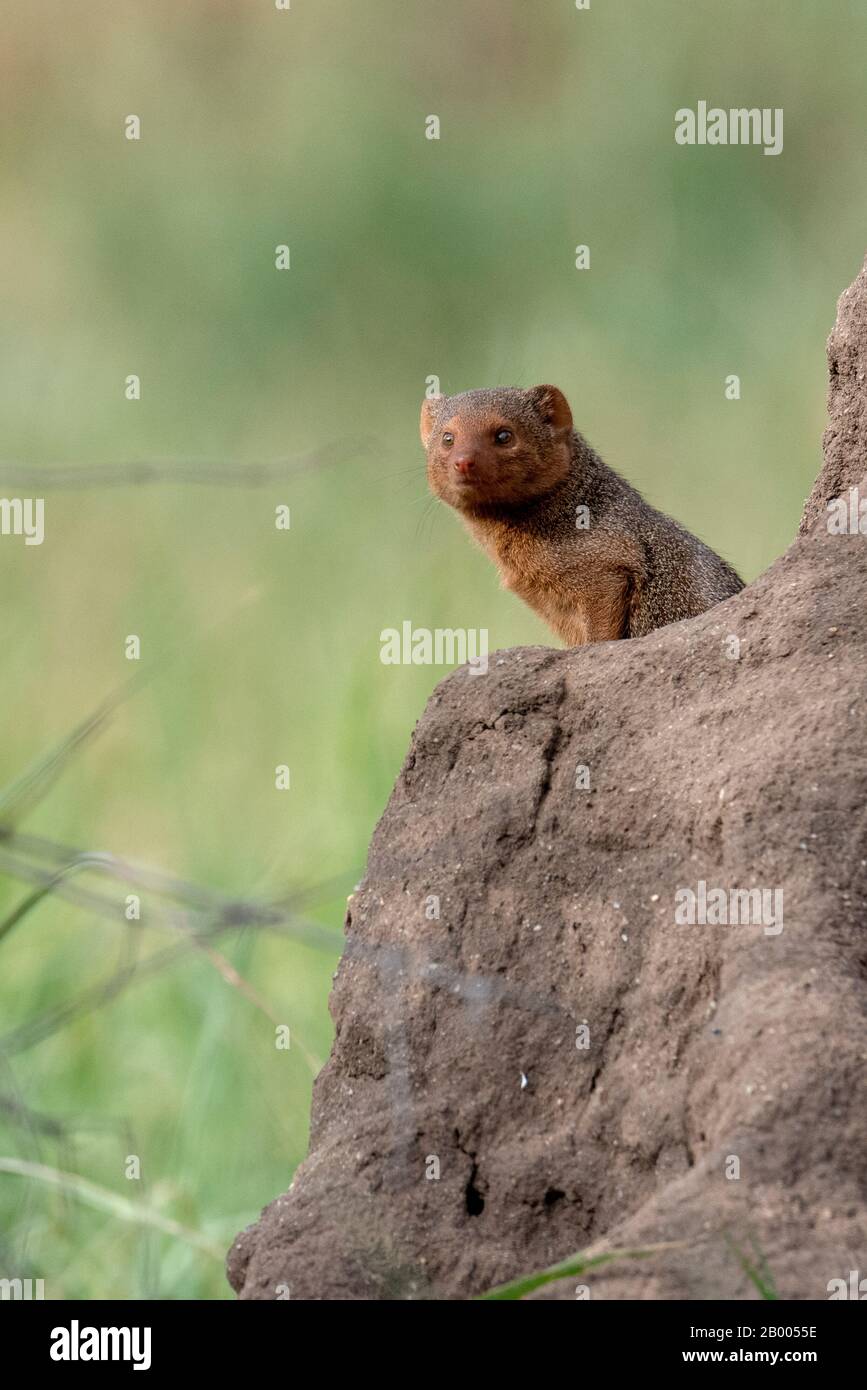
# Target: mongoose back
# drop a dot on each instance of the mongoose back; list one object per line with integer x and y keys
{"x": 568, "y": 535}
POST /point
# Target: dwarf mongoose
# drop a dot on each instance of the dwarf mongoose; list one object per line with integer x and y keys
{"x": 567, "y": 534}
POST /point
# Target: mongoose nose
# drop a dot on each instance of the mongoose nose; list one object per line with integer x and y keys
{"x": 465, "y": 464}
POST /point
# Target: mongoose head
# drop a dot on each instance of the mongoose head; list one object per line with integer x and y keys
{"x": 499, "y": 448}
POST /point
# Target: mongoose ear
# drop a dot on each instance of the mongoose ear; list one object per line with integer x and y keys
{"x": 428, "y": 415}
{"x": 552, "y": 405}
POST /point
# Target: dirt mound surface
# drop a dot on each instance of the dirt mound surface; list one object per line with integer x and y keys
{"x": 845, "y": 440}
{"x": 561, "y": 1020}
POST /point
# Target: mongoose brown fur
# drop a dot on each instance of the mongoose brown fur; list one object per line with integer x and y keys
{"x": 568, "y": 535}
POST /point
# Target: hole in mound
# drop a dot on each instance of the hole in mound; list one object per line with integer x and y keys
{"x": 474, "y": 1199}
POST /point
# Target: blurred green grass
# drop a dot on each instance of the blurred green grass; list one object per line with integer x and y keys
{"x": 409, "y": 258}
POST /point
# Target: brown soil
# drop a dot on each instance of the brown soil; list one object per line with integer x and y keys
{"x": 456, "y": 1036}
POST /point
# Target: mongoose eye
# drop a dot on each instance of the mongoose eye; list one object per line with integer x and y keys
{"x": 502, "y": 436}
{"x": 448, "y": 438}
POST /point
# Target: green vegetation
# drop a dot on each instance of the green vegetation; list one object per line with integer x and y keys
{"x": 572, "y": 1267}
